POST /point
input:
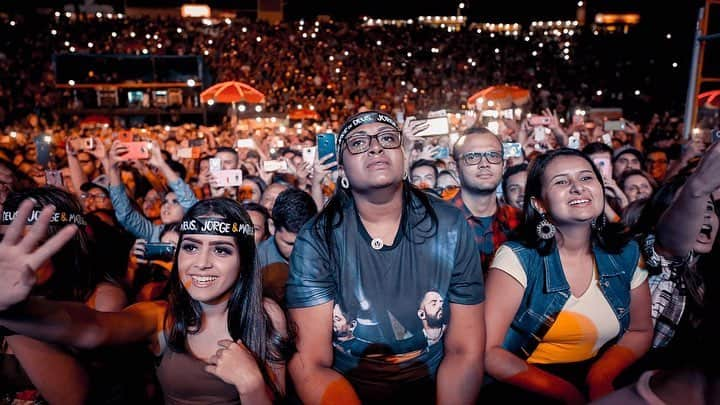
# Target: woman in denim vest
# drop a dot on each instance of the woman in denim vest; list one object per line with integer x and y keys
{"x": 567, "y": 308}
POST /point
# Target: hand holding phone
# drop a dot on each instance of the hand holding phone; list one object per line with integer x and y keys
{"x": 540, "y": 120}
{"x": 228, "y": 178}
{"x": 274, "y": 165}
{"x": 215, "y": 164}
{"x": 308, "y": 154}
{"x": 136, "y": 151}
{"x": 159, "y": 251}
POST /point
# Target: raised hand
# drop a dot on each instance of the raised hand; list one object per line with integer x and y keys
{"x": 322, "y": 169}
{"x": 412, "y": 127}
{"x": 21, "y": 256}
{"x": 236, "y": 365}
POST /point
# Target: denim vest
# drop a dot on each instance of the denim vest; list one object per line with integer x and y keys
{"x": 547, "y": 292}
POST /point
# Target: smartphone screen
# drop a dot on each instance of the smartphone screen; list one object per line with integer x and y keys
{"x": 215, "y": 164}
{"x": 604, "y": 166}
{"x": 326, "y": 146}
{"x": 137, "y": 151}
{"x": 436, "y": 126}
{"x": 308, "y": 154}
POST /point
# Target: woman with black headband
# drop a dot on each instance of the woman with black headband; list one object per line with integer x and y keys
{"x": 219, "y": 340}
{"x": 374, "y": 279}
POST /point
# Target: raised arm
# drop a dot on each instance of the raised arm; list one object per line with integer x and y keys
{"x": 679, "y": 226}
{"x": 128, "y": 217}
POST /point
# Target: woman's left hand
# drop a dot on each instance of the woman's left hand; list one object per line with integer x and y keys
{"x": 234, "y": 364}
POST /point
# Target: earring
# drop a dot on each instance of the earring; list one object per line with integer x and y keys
{"x": 344, "y": 183}
{"x": 599, "y": 225}
{"x": 405, "y": 175}
{"x": 545, "y": 230}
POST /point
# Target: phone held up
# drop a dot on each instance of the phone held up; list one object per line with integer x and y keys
{"x": 326, "y": 146}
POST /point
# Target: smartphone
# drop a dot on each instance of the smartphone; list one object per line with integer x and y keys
{"x": 536, "y": 120}
{"x": 539, "y": 134}
{"x": 274, "y": 165}
{"x": 443, "y": 152}
{"x": 578, "y": 120}
{"x": 604, "y": 166}
{"x": 53, "y": 178}
{"x": 137, "y": 150}
{"x": 159, "y": 251}
{"x": 614, "y": 125}
{"x": 574, "y": 141}
{"x": 607, "y": 139}
{"x": 308, "y": 154}
{"x": 436, "y": 126}
{"x": 196, "y": 142}
{"x": 326, "y": 146}
{"x": 228, "y": 178}
{"x": 215, "y": 164}
{"x": 80, "y": 144}
{"x": 512, "y": 150}
{"x": 43, "y": 151}
{"x": 245, "y": 143}
{"x": 188, "y": 153}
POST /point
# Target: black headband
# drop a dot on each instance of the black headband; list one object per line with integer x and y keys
{"x": 59, "y": 217}
{"x": 363, "y": 118}
{"x": 215, "y": 226}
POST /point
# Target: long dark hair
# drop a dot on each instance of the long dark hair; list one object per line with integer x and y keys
{"x": 611, "y": 237}
{"x": 73, "y": 277}
{"x": 332, "y": 216}
{"x": 247, "y": 319}
{"x": 696, "y": 273}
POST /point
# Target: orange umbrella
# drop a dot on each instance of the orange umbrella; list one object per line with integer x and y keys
{"x": 304, "y": 114}
{"x": 232, "y": 92}
{"x": 503, "y": 96}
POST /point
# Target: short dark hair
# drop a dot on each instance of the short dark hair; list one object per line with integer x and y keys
{"x": 422, "y": 163}
{"x": 226, "y": 149}
{"x": 255, "y": 207}
{"x": 292, "y": 209}
{"x": 612, "y": 237}
{"x": 596, "y": 147}
{"x": 636, "y": 172}
{"x": 511, "y": 171}
{"x": 178, "y": 168}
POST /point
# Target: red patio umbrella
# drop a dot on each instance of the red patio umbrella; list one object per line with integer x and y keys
{"x": 232, "y": 92}
{"x": 304, "y": 114}
{"x": 504, "y": 96}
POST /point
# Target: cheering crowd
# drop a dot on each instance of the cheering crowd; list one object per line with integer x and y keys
{"x": 555, "y": 259}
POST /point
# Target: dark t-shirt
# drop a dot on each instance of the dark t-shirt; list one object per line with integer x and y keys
{"x": 391, "y": 306}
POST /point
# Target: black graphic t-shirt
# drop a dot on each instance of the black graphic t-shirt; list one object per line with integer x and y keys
{"x": 391, "y": 306}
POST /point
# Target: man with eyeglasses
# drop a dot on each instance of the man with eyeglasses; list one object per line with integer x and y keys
{"x": 94, "y": 197}
{"x": 479, "y": 157}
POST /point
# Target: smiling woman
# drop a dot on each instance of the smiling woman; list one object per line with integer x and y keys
{"x": 568, "y": 308}
{"x": 219, "y": 340}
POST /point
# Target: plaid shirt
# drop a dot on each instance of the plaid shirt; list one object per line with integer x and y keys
{"x": 505, "y": 220}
